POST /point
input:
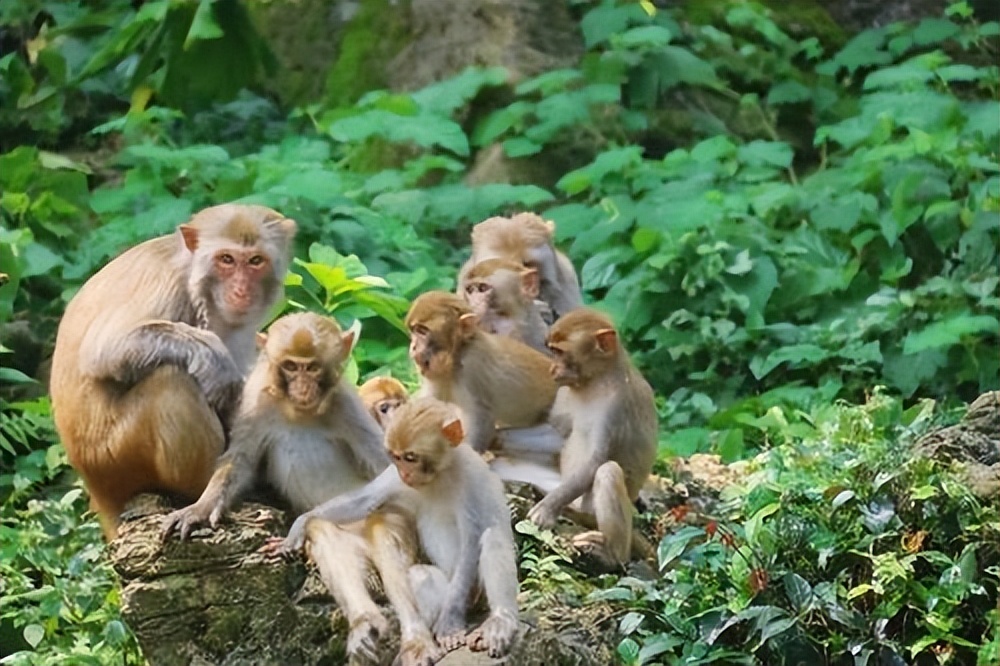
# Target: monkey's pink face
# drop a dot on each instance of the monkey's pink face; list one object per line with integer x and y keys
{"x": 479, "y": 295}
{"x": 414, "y": 469}
{"x": 303, "y": 382}
{"x": 242, "y": 276}
{"x": 564, "y": 370}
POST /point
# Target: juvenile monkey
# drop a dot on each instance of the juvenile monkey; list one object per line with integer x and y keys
{"x": 502, "y": 295}
{"x": 492, "y": 379}
{"x": 606, "y": 412}
{"x": 382, "y": 396}
{"x": 463, "y": 525}
{"x": 526, "y": 239}
{"x": 305, "y": 432}
{"x": 151, "y": 353}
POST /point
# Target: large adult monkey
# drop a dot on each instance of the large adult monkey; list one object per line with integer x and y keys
{"x": 492, "y": 379}
{"x": 304, "y": 431}
{"x": 527, "y": 240}
{"x": 605, "y": 411}
{"x": 151, "y": 353}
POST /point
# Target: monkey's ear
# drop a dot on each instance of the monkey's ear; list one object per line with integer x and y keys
{"x": 551, "y": 226}
{"x": 530, "y": 284}
{"x": 606, "y": 339}
{"x": 467, "y": 324}
{"x": 190, "y": 236}
{"x": 352, "y": 335}
{"x": 453, "y": 432}
{"x": 261, "y": 340}
{"x": 286, "y": 225}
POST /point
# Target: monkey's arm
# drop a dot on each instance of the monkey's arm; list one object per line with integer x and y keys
{"x": 234, "y": 474}
{"x": 198, "y": 352}
{"x": 576, "y": 482}
{"x": 347, "y": 508}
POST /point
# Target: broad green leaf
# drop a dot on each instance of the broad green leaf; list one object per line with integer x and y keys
{"x": 798, "y": 590}
{"x": 770, "y": 153}
{"x": 203, "y": 25}
{"x": 644, "y": 36}
{"x": 425, "y": 130}
{"x": 673, "y": 545}
{"x": 446, "y": 97}
{"x": 949, "y": 331}
{"x": 794, "y": 355}
{"x": 788, "y": 92}
{"x": 33, "y": 634}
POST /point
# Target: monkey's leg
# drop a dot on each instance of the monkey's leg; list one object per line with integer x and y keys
{"x": 430, "y": 586}
{"x": 163, "y": 437}
{"x": 392, "y": 539}
{"x": 341, "y": 555}
{"x": 612, "y": 542}
{"x": 498, "y": 576}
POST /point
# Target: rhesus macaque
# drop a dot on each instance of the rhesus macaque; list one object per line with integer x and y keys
{"x": 502, "y": 295}
{"x": 526, "y": 239}
{"x": 382, "y": 396}
{"x": 492, "y": 379}
{"x": 463, "y": 525}
{"x": 605, "y": 409}
{"x": 151, "y": 353}
{"x": 307, "y": 433}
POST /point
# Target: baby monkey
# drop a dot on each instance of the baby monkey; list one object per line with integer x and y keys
{"x": 502, "y": 294}
{"x": 463, "y": 526}
{"x": 382, "y": 396}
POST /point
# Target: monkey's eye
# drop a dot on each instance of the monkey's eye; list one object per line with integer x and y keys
{"x": 227, "y": 259}
{"x": 555, "y": 351}
{"x": 384, "y": 408}
{"x": 470, "y": 288}
{"x": 410, "y": 457}
{"x": 483, "y": 288}
{"x": 256, "y": 260}
{"x": 313, "y": 366}
{"x": 289, "y": 366}
{"x": 418, "y": 329}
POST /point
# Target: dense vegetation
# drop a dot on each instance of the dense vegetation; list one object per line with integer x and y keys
{"x": 779, "y": 221}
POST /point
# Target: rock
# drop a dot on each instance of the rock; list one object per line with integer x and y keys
{"x": 974, "y": 442}
{"x": 213, "y": 599}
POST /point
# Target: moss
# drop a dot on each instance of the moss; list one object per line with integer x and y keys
{"x": 373, "y": 36}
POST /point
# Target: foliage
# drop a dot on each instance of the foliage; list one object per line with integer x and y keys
{"x": 58, "y": 596}
{"x": 839, "y": 546}
{"x": 774, "y": 222}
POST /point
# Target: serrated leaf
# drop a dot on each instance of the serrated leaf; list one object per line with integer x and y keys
{"x": 203, "y": 25}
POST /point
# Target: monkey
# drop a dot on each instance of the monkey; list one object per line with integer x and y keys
{"x": 526, "y": 239}
{"x": 492, "y": 379}
{"x": 606, "y": 414}
{"x": 502, "y": 295}
{"x": 306, "y": 432}
{"x": 382, "y": 396}
{"x": 463, "y": 526}
{"x": 151, "y": 352}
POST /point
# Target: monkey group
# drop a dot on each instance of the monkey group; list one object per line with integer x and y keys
{"x": 171, "y": 388}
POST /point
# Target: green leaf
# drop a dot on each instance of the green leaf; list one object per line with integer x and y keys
{"x": 649, "y": 36}
{"x": 935, "y": 30}
{"x": 424, "y": 130}
{"x": 794, "y": 355}
{"x": 601, "y": 22}
{"x": 767, "y": 153}
{"x": 673, "y": 545}
{"x": 203, "y": 25}
{"x": 521, "y": 147}
{"x": 33, "y": 634}
{"x": 798, "y": 591}
{"x": 948, "y": 332}
{"x": 679, "y": 65}
{"x": 788, "y": 92}
{"x": 446, "y": 97}
{"x": 628, "y": 650}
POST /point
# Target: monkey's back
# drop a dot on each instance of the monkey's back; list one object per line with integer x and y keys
{"x": 96, "y": 319}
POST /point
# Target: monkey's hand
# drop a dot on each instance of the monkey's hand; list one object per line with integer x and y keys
{"x": 544, "y": 514}
{"x": 291, "y": 546}
{"x": 186, "y": 519}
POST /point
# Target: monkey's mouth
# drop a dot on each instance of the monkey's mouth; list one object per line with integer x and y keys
{"x": 304, "y": 394}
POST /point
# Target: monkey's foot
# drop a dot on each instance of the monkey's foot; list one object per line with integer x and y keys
{"x": 594, "y": 543}
{"x": 451, "y": 642}
{"x": 366, "y": 628}
{"x": 495, "y": 635}
{"x": 419, "y": 651}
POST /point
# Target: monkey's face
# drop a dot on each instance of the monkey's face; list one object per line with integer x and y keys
{"x": 583, "y": 346}
{"x": 243, "y": 281}
{"x": 383, "y": 410}
{"x": 305, "y": 382}
{"x": 480, "y": 296}
{"x": 420, "y": 439}
{"x": 432, "y": 350}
